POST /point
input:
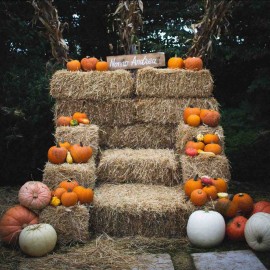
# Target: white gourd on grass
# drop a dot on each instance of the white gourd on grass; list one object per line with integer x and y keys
{"x": 38, "y": 239}
{"x": 257, "y": 231}
{"x": 206, "y": 228}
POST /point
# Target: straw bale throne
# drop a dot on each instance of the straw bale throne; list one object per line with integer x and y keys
{"x": 138, "y": 136}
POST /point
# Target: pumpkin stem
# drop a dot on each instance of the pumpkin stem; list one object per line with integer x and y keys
{"x": 240, "y": 194}
{"x": 196, "y": 177}
{"x": 81, "y": 144}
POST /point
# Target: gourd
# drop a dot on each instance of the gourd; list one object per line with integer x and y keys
{"x": 38, "y": 239}
{"x": 193, "y": 63}
{"x": 206, "y": 228}
{"x": 175, "y": 62}
{"x": 34, "y": 195}
{"x": 80, "y": 153}
{"x": 73, "y": 65}
{"x": 57, "y": 154}
{"x": 13, "y": 221}
{"x": 257, "y": 231}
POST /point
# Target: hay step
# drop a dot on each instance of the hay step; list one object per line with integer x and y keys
{"x": 173, "y": 83}
{"x": 146, "y": 166}
{"x": 215, "y": 167}
{"x": 137, "y": 136}
{"x": 84, "y": 173}
{"x": 92, "y": 85}
{"x": 185, "y": 133}
{"x": 136, "y": 209}
{"x": 85, "y": 134}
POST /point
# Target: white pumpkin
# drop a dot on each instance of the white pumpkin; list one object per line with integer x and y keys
{"x": 206, "y": 228}
{"x": 38, "y": 239}
{"x": 257, "y": 231}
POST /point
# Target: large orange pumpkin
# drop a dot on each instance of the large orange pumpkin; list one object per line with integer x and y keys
{"x": 190, "y": 110}
{"x": 80, "y": 153}
{"x": 175, "y": 62}
{"x": 57, "y": 154}
{"x": 13, "y": 221}
{"x": 244, "y": 202}
{"x": 211, "y": 118}
{"x": 89, "y": 63}
{"x": 192, "y": 184}
{"x": 193, "y": 63}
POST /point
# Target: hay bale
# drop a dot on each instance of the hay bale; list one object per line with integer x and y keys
{"x": 145, "y": 166}
{"x": 166, "y": 83}
{"x": 93, "y": 85}
{"x": 186, "y": 133}
{"x": 85, "y": 134}
{"x": 169, "y": 111}
{"x": 140, "y": 136}
{"x": 215, "y": 167}
{"x": 111, "y": 112}
{"x": 84, "y": 173}
{"x": 70, "y": 223}
{"x": 136, "y": 209}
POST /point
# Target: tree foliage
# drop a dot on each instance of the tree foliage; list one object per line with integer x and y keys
{"x": 240, "y": 68}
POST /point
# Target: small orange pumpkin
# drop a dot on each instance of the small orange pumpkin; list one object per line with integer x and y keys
{"x": 213, "y": 147}
{"x": 211, "y": 118}
{"x": 193, "y": 63}
{"x": 69, "y": 184}
{"x": 244, "y": 202}
{"x": 195, "y": 144}
{"x": 226, "y": 207}
{"x": 63, "y": 121}
{"x": 69, "y": 198}
{"x": 78, "y": 115}
{"x": 190, "y": 110}
{"x": 73, "y": 65}
{"x": 85, "y": 195}
{"x": 211, "y": 138}
{"x": 211, "y": 192}
{"x": 102, "y": 66}
{"x": 192, "y": 184}
{"x": 57, "y": 154}
{"x": 89, "y": 63}
{"x": 65, "y": 145}
{"x": 220, "y": 184}
{"x": 175, "y": 62}
{"x": 58, "y": 192}
{"x": 198, "y": 197}
{"x": 194, "y": 120}
{"x": 80, "y": 153}
{"x": 84, "y": 121}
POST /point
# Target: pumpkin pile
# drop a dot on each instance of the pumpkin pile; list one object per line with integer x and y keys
{"x": 78, "y": 118}
{"x": 200, "y": 190}
{"x": 87, "y": 64}
{"x": 190, "y": 63}
{"x": 208, "y": 144}
{"x": 194, "y": 117}
{"x": 70, "y": 153}
{"x": 69, "y": 192}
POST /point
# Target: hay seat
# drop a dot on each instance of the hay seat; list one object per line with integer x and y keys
{"x": 215, "y": 167}
{"x": 84, "y": 173}
{"x": 173, "y": 83}
{"x": 137, "y": 209}
{"x": 85, "y": 134}
{"x": 146, "y": 166}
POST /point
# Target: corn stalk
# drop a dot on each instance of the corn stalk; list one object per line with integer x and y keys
{"x": 213, "y": 24}
{"x": 47, "y": 14}
{"x": 128, "y": 21}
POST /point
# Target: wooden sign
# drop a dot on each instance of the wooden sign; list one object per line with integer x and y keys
{"x": 134, "y": 61}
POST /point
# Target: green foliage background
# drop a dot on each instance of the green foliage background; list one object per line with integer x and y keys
{"x": 240, "y": 68}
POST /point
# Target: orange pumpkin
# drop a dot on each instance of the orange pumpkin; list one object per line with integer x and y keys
{"x": 203, "y": 112}
{"x": 58, "y": 192}
{"x": 211, "y": 138}
{"x": 69, "y": 184}
{"x": 198, "y": 197}
{"x": 85, "y": 195}
{"x": 211, "y": 118}
{"x": 195, "y": 144}
{"x": 89, "y": 63}
{"x": 226, "y": 207}
{"x": 78, "y": 115}
{"x": 102, "y": 66}
{"x": 220, "y": 184}
{"x": 190, "y": 110}
{"x": 69, "y": 198}
{"x": 211, "y": 192}
{"x": 194, "y": 120}
{"x": 65, "y": 145}
{"x": 175, "y": 62}
{"x": 192, "y": 184}
{"x": 84, "y": 121}
{"x": 193, "y": 63}
{"x": 63, "y": 121}
{"x": 213, "y": 147}
{"x": 73, "y": 65}
{"x": 244, "y": 202}
{"x": 57, "y": 154}
{"x": 80, "y": 153}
